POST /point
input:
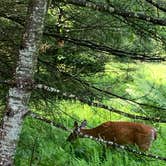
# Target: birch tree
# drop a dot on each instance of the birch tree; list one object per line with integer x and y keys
{"x": 19, "y": 94}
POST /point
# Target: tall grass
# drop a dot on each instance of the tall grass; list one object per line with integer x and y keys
{"x": 44, "y": 145}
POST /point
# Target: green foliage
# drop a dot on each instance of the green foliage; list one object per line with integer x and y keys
{"x": 42, "y": 144}
{"x": 149, "y": 87}
{"x": 78, "y": 24}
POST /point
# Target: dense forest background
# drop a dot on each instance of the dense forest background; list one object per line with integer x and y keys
{"x": 99, "y": 60}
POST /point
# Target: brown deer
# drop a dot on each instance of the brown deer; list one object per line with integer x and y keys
{"x": 121, "y": 133}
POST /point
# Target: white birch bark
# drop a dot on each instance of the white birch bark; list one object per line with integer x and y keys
{"x": 19, "y": 94}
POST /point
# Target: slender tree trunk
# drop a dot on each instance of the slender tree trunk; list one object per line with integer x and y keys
{"x": 19, "y": 94}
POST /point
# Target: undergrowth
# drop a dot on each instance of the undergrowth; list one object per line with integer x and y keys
{"x": 42, "y": 144}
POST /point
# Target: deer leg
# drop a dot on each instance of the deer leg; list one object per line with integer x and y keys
{"x": 103, "y": 154}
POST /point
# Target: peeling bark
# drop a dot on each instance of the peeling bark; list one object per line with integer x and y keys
{"x": 19, "y": 94}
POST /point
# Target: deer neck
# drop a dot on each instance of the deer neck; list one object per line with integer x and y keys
{"x": 89, "y": 132}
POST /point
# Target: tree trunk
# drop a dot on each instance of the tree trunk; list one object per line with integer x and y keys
{"x": 19, "y": 94}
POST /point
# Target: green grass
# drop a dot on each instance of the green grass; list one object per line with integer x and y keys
{"x": 44, "y": 145}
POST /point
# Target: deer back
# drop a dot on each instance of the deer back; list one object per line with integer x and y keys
{"x": 121, "y": 133}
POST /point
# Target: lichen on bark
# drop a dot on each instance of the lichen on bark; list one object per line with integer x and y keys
{"x": 18, "y": 96}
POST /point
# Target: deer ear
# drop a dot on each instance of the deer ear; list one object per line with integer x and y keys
{"x": 83, "y": 124}
{"x": 75, "y": 124}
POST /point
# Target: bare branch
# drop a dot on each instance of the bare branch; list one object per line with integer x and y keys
{"x": 46, "y": 120}
{"x": 97, "y": 104}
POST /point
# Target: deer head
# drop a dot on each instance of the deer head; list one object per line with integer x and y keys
{"x": 76, "y": 131}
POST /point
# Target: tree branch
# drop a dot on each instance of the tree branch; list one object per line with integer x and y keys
{"x": 112, "y": 94}
{"x": 49, "y": 121}
{"x": 107, "y": 49}
{"x": 20, "y": 21}
{"x": 97, "y": 104}
{"x": 103, "y": 7}
{"x": 157, "y": 5}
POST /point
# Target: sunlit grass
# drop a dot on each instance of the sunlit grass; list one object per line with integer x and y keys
{"x": 44, "y": 145}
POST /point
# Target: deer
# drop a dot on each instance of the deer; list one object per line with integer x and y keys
{"x": 119, "y": 132}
